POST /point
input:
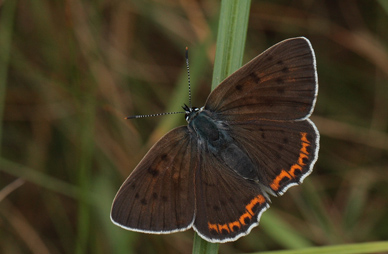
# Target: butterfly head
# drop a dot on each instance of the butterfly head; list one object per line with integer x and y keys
{"x": 190, "y": 113}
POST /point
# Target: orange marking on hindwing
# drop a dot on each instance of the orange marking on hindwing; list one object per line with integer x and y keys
{"x": 244, "y": 216}
{"x": 300, "y": 159}
{"x": 303, "y": 154}
{"x": 212, "y": 227}
{"x": 257, "y": 200}
{"x": 304, "y": 147}
{"x": 224, "y": 226}
{"x": 237, "y": 224}
{"x": 304, "y": 137}
{"x": 276, "y": 183}
{"x": 234, "y": 224}
{"x": 303, "y": 151}
{"x": 293, "y": 168}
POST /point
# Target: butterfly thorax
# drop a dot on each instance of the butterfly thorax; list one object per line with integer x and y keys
{"x": 207, "y": 129}
{"x": 214, "y": 137}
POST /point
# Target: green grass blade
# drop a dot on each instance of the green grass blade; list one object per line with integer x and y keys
{"x": 231, "y": 37}
{"x": 201, "y": 246}
{"x": 85, "y": 171}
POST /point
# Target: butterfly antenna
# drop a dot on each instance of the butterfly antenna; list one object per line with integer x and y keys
{"x": 188, "y": 74}
{"x": 152, "y": 115}
{"x": 171, "y": 113}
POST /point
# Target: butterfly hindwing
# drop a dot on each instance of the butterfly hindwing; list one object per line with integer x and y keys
{"x": 284, "y": 152}
{"x": 158, "y": 197}
{"x": 227, "y": 205}
{"x": 280, "y": 83}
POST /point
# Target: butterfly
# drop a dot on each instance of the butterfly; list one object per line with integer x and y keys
{"x": 253, "y": 138}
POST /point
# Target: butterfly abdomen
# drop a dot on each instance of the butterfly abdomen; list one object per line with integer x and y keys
{"x": 236, "y": 159}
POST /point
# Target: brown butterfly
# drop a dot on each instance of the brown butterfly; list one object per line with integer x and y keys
{"x": 252, "y": 138}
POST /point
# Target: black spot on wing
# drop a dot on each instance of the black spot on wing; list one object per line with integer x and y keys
{"x": 153, "y": 171}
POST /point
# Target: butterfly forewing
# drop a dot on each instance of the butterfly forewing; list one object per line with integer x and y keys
{"x": 227, "y": 205}
{"x": 279, "y": 84}
{"x": 158, "y": 196}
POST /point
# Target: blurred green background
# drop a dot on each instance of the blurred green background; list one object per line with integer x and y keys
{"x": 70, "y": 71}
